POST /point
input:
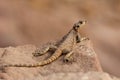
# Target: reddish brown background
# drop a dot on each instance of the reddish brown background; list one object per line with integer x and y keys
{"x": 40, "y": 21}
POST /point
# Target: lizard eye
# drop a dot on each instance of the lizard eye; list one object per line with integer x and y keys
{"x": 81, "y": 22}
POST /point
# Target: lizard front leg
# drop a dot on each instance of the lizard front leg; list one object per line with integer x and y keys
{"x": 68, "y": 57}
{"x": 80, "y": 39}
{"x": 84, "y": 39}
{"x": 39, "y": 52}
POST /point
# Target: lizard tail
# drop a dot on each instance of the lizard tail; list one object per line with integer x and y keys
{"x": 18, "y": 65}
{"x": 49, "y": 60}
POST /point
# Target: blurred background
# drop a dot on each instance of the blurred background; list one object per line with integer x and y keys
{"x": 39, "y": 21}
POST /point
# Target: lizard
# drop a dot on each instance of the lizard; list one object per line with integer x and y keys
{"x": 64, "y": 46}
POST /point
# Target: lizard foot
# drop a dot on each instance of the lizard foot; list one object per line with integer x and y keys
{"x": 84, "y": 39}
{"x": 69, "y": 60}
{"x": 38, "y": 52}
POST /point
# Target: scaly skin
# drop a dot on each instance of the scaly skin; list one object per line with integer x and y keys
{"x": 66, "y": 44}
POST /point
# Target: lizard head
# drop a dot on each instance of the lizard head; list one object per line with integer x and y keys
{"x": 78, "y": 25}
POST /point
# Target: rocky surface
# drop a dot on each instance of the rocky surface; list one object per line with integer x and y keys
{"x": 80, "y": 76}
{"x": 84, "y": 55}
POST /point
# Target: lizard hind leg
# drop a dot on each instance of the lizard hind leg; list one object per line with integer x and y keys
{"x": 39, "y": 52}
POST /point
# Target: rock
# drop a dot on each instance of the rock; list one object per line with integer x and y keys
{"x": 80, "y": 76}
{"x": 85, "y": 60}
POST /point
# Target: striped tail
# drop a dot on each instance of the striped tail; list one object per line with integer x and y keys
{"x": 49, "y": 60}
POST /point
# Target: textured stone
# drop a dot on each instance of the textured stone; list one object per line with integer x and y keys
{"x": 80, "y": 76}
{"x": 84, "y": 55}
